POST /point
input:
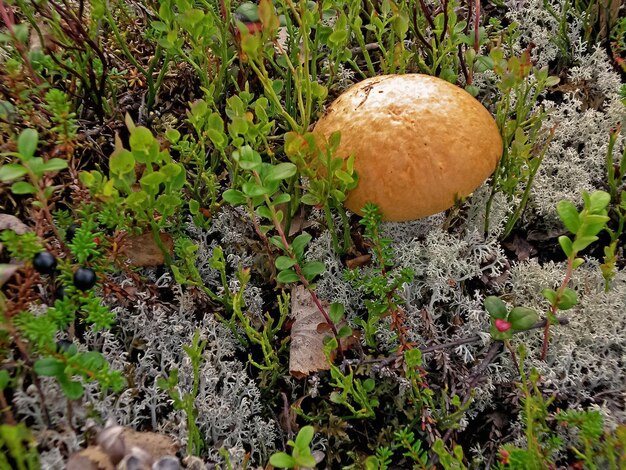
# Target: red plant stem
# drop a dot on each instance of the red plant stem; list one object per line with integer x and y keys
{"x": 6, "y": 410}
{"x": 419, "y": 35}
{"x": 263, "y": 238}
{"x": 554, "y": 307}
{"x": 445, "y": 20}
{"x": 298, "y": 269}
{"x": 8, "y": 20}
{"x": 427, "y": 14}
{"x": 397, "y": 318}
{"x": 476, "y": 26}
{"x": 453, "y": 344}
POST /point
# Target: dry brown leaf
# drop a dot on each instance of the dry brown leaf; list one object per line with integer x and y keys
{"x": 10, "y": 222}
{"x": 306, "y": 353}
{"x": 142, "y": 251}
{"x": 6, "y": 271}
{"x": 358, "y": 261}
{"x": 520, "y": 246}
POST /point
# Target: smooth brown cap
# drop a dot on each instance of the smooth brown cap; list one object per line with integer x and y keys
{"x": 418, "y": 142}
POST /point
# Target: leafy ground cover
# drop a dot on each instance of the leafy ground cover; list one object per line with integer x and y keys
{"x": 182, "y": 286}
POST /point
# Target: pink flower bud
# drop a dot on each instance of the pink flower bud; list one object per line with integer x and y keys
{"x": 502, "y": 325}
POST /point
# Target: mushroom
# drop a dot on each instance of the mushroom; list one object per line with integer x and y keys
{"x": 419, "y": 142}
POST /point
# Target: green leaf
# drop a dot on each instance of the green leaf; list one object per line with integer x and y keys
{"x": 247, "y": 158}
{"x": 280, "y": 172}
{"x": 578, "y": 262}
{"x": 277, "y": 241}
{"x": 191, "y": 17}
{"x": 282, "y": 199}
{"x": 550, "y": 294}
{"x": 49, "y": 367}
{"x": 12, "y": 171}
{"x": 22, "y": 187}
{"x": 309, "y": 199}
{"x": 238, "y": 126}
{"x": 122, "y": 162}
{"x": 168, "y": 202}
{"x": 368, "y": 385}
{"x": 599, "y": 200}
{"x": 336, "y": 312}
{"x": 136, "y": 199}
{"x": 88, "y": 179}
{"x": 299, "y": 243}
{"x": 171, "y": 170}
{"x": 306, "y": 461}
{"x": 218, "y": 138}
{"x": 319, "y": 91}
{"x": 27, "y": 143}
{"x": 500, "y": 335}
{"x": 73, "y": 390}
{"x": 264, "y": 211}
{"x": 472, "y": 89}
{"x": 92, "y": 360}
{"x": 54, "y": 164}
{"x": 495, "y": 307}
{"x": 287, "y": 276}
{"x": 344, "y": 177}
{"x": 522, "y": 318}
{"x": 5, "y": 378}
{"x": 277, "y": 86}
{"x": 152, "y": 179}
{"x": 141, "y": 139}
{"x": 234, "y": 197}
{"x": 568, "y": 215}
{"x": 483, "y": 63}
{"x": 344, "y": 331}
{"x": 284, "y": 262}
{"x": 282, "y": 460}
{"x": 253, "y": 190}
{"x": 215, "y": 122}
{"x": 340, "y": 35}
{"x": 250, "y": 11}
{"x": 312, "y": 269}
{"x": 583, "y": 242}
{"x": 173, "y": 135}
{"x": 566, "y": 245}
{"x": 267, "y": 15}
{"x": 304, "y": 437}
{"x": 569, "y": 298}
{"x": 552, "y": 81}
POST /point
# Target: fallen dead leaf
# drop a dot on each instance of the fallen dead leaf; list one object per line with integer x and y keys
{"x": 541, "y": 236}
{"x": 358, "y": 261}
{"x": 6, "y": 271}
{"x": 142, "y": 251}
{"x": 306, "y": 353}
{"x": 520, "y": 246}
{"x": 10, "y": 222}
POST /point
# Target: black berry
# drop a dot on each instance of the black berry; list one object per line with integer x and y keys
{"x": 71, "y": 231}
{"x": 84, "y": 278}
{"x": 44, "y": 262}
{"x": 60, "y": 293}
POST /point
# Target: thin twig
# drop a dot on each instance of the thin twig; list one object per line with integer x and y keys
{"x": 478, "y": 371}
{"x": 457, "y": 342}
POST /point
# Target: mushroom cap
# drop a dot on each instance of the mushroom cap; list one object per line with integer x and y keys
{"x": 419, "y": 143}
